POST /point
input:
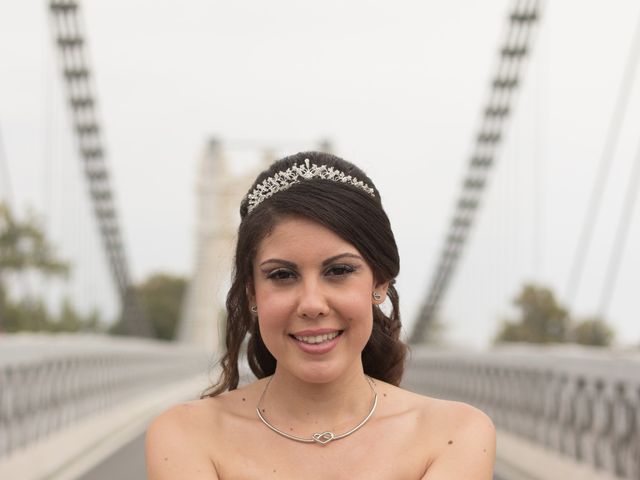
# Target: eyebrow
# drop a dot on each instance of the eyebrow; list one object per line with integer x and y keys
{"x": 342, "y": 255}
{"x": 324, "y": 263}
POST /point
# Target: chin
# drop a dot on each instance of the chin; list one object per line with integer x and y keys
{"x": 322, "y": 372}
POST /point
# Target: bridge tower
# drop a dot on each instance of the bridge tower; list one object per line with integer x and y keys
{"x": 219, "y": 192}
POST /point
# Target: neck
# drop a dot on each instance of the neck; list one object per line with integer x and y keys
{"x": 306, "y": 407}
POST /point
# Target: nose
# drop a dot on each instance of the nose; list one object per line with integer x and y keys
{"x": 312, "y": 302}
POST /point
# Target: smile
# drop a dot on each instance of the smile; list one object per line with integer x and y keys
{"x": 315, "y": 339}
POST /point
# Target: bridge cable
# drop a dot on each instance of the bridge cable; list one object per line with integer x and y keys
{"x": 523, "y": 16}
{"x": 622, "y": 233}
{"x": 68, "y": 35}
{"x": 7, "y": 190}
{"x": 604, "y": 168}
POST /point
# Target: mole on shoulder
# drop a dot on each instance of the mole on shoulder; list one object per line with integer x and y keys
{"x": 243, "y": 399}
{"x": 274, "y": 470}
{"x": 450, "y": 442}
{"x": 384, "y": 394}
{"x": 263, "y": 410}
{"x": 166, "y": 458}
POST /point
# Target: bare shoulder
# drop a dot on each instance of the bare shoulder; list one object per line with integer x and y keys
{"x": 466, "y": 441}
{"x": 454, "y": 439}
{"x": 458, "y": 417}
{"x": 449, "y": 415}
{"x": 176, "y": 445}
{"x": 189, "y": 440}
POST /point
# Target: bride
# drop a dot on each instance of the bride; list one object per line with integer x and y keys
{"x": 313, "y": 290}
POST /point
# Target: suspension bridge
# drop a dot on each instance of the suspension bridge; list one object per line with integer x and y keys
{"x": 75, "y": 406}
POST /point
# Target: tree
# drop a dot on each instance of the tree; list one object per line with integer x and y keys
{"x": 160, "y": 297}
{"x": 542, "y": 319}
{"x": 592, "y": 331}
{"x": 29, "y": 314}
{"x": 25, "y": 315}
{"x": 70, "y": 320}
{"x": 24, "y": 247}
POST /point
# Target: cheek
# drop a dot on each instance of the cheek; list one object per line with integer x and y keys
{"x": 272, "y": 302}
{"x": 359, "y": 310}
{"x": 274, "y": 312}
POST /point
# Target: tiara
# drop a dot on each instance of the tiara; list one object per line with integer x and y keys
{"x": 283, "y": 179}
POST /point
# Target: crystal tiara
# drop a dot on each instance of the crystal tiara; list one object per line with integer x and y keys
{"x": 283, "y": 179}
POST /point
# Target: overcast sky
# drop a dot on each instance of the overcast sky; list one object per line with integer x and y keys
{"x": 398, "y": 88}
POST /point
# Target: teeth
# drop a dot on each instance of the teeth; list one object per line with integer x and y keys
{"x": 317, "y": 338}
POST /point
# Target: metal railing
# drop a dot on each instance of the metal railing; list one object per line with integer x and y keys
{"x": 582, "y": 403}
{"x": 48, "y": 383}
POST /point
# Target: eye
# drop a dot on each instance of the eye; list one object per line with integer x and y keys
{"x": 340, "y": 270}
{"x": 281, "y": 274}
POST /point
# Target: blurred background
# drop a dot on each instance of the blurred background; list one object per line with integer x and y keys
{"x": 503, "y": 137}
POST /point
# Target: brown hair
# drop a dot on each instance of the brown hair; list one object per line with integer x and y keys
{"x": 351, "y": 213}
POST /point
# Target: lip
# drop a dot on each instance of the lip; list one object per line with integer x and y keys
{"x": 317, "y": 348}
{"x": 318, "y": 331}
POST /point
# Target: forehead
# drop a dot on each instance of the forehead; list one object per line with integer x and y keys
{"x": 299, "y": 236}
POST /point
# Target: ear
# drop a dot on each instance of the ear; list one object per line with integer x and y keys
{"x": 381, "y": 289}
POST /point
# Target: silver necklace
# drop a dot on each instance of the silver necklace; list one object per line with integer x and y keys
{"x": 319, "y": 437}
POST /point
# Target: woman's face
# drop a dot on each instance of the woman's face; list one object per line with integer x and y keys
{"x": 313, "y": 293}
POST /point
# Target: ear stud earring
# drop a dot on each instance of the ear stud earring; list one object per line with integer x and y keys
{"x": 254, "y": 309}
{"x": 376, "y": 296}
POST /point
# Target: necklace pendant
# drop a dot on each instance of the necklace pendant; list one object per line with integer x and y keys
{"x": 319, "y": 437}
{"x": 323, "y": 438}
